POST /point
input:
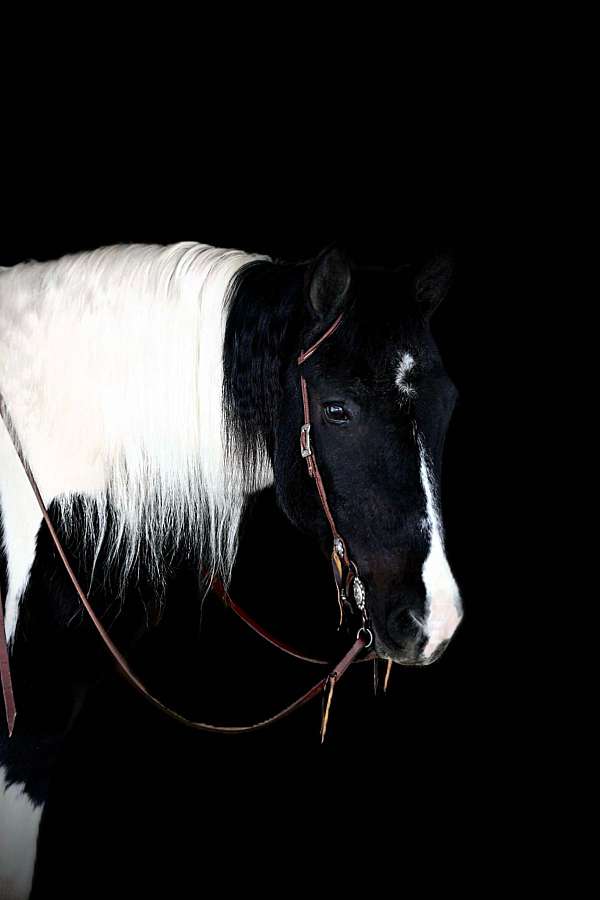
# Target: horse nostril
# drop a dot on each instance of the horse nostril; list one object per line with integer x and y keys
{"x": 404, "y": 625}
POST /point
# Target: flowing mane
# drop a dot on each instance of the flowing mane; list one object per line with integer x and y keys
{"x": 117, "y": 398}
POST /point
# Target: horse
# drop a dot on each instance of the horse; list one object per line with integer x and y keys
{"x": 153, "y": 391}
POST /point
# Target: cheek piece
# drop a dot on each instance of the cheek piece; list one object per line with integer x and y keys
{"x": 350, "y": 588}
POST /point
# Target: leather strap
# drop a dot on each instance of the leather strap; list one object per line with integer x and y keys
{"x": 304, "y": 354}
{"x": 5, "y": 676}
{"x": 217, "y": 587}
{"x": 313, "y": 468}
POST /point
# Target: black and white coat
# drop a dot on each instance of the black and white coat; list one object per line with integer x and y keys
{"x": 153, "y": 389}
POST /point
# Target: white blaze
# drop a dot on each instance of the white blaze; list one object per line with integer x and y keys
{"x": 444, "y": 608}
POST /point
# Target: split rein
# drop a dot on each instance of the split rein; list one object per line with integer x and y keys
{"x": 345, "y": 572}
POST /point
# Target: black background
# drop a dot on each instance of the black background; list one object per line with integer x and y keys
{"x": 139, "y": 803}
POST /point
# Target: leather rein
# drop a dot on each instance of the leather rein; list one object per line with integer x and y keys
{"x": 348, "y": 584}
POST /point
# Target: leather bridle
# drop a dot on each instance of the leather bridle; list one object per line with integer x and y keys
{"x": 345, "y": 573}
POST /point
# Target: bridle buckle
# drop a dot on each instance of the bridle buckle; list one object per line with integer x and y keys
{"x": 305, "y": 448}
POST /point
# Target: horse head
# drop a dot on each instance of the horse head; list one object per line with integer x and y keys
{"x": 379, "y": 404}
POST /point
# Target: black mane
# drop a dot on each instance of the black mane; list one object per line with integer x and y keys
{"x": 264, "y": 320}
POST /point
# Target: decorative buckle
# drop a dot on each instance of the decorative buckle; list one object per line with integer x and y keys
{"x": 305, "y": 448}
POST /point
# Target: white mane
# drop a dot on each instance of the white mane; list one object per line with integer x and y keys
{"x": 111, "y": 368}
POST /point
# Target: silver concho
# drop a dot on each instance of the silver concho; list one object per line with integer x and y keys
{"x": 359, "y": 592}
{"x": 338, "y": 546}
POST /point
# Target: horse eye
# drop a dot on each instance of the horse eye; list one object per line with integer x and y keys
{"x": 335, "y": 412}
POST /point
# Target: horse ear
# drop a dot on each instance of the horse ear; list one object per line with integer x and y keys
{"x": 328, "y": 283}
{"x": 432, "y": 283}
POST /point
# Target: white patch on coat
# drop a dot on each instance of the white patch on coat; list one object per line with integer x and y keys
{"x": 405, "y": 365}
{"x": 111, "y": 368}
{"x": 19, "y": 826}
{"x": 21, "y": 518}
{"x": 444, "y": 608}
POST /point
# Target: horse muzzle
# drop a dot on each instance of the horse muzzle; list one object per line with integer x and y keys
{"x": 410, "y": 640}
